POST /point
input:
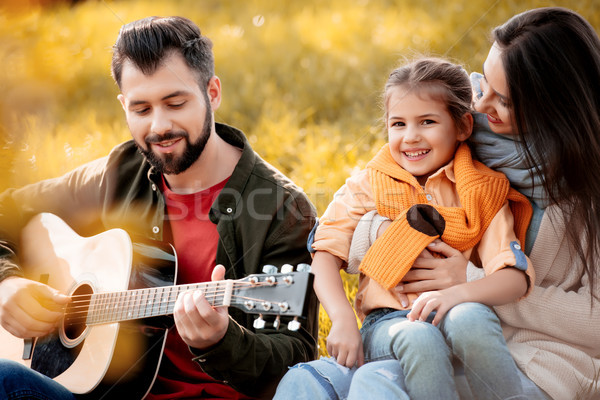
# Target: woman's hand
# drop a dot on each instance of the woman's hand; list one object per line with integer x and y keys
{"x": 431, "y": 273}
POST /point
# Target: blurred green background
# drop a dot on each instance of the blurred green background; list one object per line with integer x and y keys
{"x": 302, "y": 78}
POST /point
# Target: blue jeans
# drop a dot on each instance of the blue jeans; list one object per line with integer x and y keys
{"x": 396, "y": 350}
{"x": 20, "y": 382}
{"x": 420, "y": 349}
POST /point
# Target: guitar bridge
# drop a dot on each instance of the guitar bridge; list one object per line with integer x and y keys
{"x": 27, "y": 348}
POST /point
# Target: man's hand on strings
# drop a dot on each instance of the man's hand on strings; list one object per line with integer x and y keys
{"x": 29, "y": 308}
{"x": 200, "y": 324}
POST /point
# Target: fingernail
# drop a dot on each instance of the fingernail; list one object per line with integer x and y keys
{"x": 399, "y": 288}
{"x": 432, "y": 244}
{"x": 404, "y": 303}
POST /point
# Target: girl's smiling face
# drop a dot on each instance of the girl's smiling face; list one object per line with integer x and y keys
{"x": 422, "y": 135}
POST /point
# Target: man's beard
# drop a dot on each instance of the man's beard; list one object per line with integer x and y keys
{"x": 169, "y": 163}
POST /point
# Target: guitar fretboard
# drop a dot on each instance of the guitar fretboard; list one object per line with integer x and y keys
{"x": 150, "y": 302}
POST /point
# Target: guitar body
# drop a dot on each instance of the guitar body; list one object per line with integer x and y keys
{"x": 110, "y": 341}
{"x": 115, "y": 360}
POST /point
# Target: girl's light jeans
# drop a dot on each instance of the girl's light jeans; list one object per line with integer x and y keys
{"x": 417, "y": 360}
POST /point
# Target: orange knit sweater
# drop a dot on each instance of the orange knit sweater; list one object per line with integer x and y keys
{"x": 398, "y": 196}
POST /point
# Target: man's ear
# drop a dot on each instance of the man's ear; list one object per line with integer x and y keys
{"x": 213, "y": 90}
{"x": 466, "y": 128}
{"x": 122, "y": 101}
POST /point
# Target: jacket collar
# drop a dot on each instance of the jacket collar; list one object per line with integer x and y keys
{"x": 228, "y": 200}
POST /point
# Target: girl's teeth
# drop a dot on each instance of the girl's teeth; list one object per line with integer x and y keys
{"x": 415, "y": 154}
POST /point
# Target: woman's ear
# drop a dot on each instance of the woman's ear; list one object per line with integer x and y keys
{"x": 466, "y": 127}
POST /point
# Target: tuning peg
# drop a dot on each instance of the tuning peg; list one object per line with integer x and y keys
{"x": 294, "y": 325}
{"x": 287, "y": 268}
{"x": 270, "y": 280}
{"x": 269, "y": 269}
{"x": 277, "y": 322}
{"x": 303, "y": 267}
{"x": 259, "y": 323}
{"x": 288, "y": 279}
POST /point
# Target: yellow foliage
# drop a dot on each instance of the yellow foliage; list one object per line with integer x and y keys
{"x": 301, "y": 78}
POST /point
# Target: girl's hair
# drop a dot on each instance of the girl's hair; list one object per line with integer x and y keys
{"x": 149, "y": 41}
{"x": 440, "y": 79}
{"x": 551, "y": 58}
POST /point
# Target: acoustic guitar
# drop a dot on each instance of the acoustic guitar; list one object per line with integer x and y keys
{"x": 110, "y": 340}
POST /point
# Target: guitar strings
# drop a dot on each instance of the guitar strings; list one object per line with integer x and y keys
{"x": 135, "y": 301}
{"x": 83, "y": 318}
{"x": 179, "y": 289}
{"x": 196, "y": 286}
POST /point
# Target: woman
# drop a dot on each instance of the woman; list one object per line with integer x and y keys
{"x": 541, "y": 98}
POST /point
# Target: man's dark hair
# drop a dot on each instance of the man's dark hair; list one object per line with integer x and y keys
{"x": 148, "y": 41}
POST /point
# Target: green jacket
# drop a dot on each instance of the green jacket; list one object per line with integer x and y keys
{"x": 261, "y": 217}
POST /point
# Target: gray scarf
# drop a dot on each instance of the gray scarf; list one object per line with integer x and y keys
{"x": 505, "y": 153}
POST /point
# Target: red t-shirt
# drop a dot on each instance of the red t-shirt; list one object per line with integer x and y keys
{"x": 195, "y": 240}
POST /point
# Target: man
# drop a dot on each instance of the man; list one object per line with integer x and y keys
{"x": 186, "y": 180}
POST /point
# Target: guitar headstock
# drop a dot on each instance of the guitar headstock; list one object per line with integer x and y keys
{"x": 284, "y": 293}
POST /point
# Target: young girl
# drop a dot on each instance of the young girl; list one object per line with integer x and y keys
{"x": 424, "y": 180}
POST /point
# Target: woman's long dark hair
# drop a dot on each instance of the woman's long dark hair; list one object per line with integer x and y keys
{"x": 551, "y": 58}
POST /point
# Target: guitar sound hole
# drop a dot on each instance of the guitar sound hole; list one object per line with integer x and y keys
{"x": 76, "y": 313}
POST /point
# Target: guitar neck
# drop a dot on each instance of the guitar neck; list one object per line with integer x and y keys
{"x": 109, "y": 307}
{"x": 268, "y": 294}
